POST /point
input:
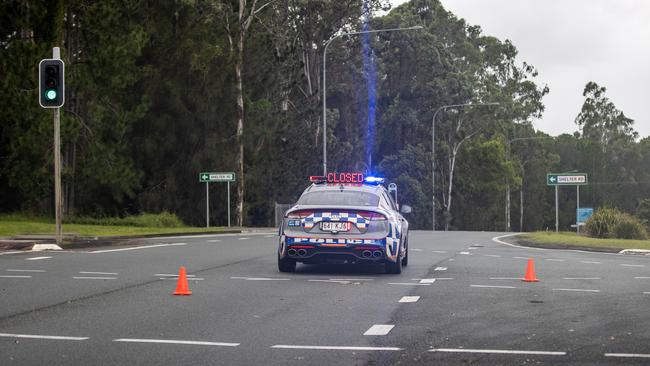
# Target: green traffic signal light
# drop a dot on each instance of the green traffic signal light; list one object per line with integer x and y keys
{"x": 50, "y": 94}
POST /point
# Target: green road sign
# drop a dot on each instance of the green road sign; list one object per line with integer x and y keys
{"x": 566, "y": 179}
{"x": 216, "y": 177}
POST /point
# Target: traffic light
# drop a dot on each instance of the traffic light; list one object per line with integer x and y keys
{"x": 51, "y": 83}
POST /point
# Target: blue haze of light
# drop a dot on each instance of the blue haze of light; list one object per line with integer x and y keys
{"x": 370, "y": 74}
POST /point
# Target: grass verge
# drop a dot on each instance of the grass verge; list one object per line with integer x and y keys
{"x": 12, "y": 225}
{"x": 571, "y": 239}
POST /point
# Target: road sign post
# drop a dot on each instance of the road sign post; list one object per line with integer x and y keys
{"x": 212, "y": 177}
{"x": 566, "y": 179}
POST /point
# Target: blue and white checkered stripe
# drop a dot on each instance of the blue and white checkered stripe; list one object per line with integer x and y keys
{"x": 313, "y": 219}
{"x": 392, "y": 242}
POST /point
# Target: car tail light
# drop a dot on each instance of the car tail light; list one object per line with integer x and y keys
{"x": 372, "y": 216}
{"x": 299, "y": 214}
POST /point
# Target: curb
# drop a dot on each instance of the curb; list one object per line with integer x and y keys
{"x": 563, "y": 246}
{"x": 39, "y": 243}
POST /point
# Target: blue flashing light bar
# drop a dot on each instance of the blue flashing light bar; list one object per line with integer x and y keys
{"x": 374, "y": 180}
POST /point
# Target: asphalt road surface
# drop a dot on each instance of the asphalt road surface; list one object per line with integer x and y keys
{"x": 460, "y": 301}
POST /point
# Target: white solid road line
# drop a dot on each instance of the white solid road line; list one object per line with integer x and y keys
{"x": 379, "y": 330}
{"x": 486, "y": 286}
{"x": 136, "y": 248}
{"x": 628, "y": 355}
{"x": 409, "y": 284}
{"x": 336, "y": 348}
{"x": 26, "y": 270}
{"x": 428, "y": 280}
{"x": 36, "y": 336}
{"x": 632, "y": 265}
{"x": 574, "y": 289}
{"x": 409, "y": 299}
{"x": 582, "y": 278}
{"x": 497, "y": 351}
{"x": 100, "y": 273}
{"x": 172, "y": 341}
{"x": 590, "y": 262}
{"x": 170, "y": 275}
{"x": 497, "y": 239}
{"x": 36, "y": 258}
{"x": 260, "y": 279}
{"x": 94, "y": 278}
{"x": 440, "y": 269}
{"x": 15, "y": 276}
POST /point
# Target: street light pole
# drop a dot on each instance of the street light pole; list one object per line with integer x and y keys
{"x": 417, "y": 27}
{"x": 433, "y": 152}
{"x": 508, "y": 182}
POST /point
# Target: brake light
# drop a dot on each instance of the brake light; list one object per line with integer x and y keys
{"x": 299, "y": 214}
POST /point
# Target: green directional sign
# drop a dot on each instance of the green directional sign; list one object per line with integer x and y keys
{"x": 566, "y": 179}
{"x": 216, "y": 177}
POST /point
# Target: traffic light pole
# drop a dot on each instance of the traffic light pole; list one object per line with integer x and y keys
{"x": 58, "y": 204}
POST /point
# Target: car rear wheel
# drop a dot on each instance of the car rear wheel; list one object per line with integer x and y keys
{"x": 286, "y": 264}
{"x": 394, "y": 268}
{"x": 405, "y": 260}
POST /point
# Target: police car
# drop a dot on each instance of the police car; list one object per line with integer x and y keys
{"x": 344, "y": 218}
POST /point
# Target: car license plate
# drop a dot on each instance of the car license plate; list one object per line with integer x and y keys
{"x": 334, "y": 226}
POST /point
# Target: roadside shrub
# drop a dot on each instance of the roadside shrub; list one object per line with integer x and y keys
{"x": 602, "y": 223}
{"x": 630, "y": 227}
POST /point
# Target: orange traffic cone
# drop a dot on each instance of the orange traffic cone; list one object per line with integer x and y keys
{"x": 530, "y": 272}
{"x": 182, "y": 288}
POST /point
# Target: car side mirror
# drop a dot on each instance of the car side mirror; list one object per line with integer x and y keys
{"x": 405, "y": 209}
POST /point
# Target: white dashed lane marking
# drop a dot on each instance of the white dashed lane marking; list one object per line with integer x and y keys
{"x": 26, "y": 270}
{"x": 15, "y": 276}
{"x": 409, "y": 299}
{"x": 574, "y": 289}
{"x": 632, "y": 265}
{"x": 37, "y": 336}
{"x": 524, "y": 258}
{"x": 409, "y": 284}
{"x": 440, "y": 269}
{"x": 336, "y": 348}
{"x": 379, "y": 330}
{"x": 497, "y": 351}
{"x": 94, "y": 278}
{"x": 172, "y": 341}
{"x": 628, "y": 355}
{"x": 486, "y": 286}
{"x": 464, "y": 253}
{"x": 100, "y": 273}
{"x": 137, "y": 248}
{"x": 590, "y": 262}
{"x": 214, "y": 240}
{"x": 243, "y": 238}
{"x": 260, "y": 279}
{"x": 555, "y": 260}
{"x": 505, "y": 278}
{"x": 642, "y": 278}
{"x": 492, "y": 255}
{"x": 428, "y": 280}
{"x": 170, "y": 275}
{"x": 438, "y": 251}
{"x": 36, "y": 258}
{"x": 582, "y": 278}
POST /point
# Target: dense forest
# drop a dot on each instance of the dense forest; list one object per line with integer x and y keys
{"x": 158, "y": 91}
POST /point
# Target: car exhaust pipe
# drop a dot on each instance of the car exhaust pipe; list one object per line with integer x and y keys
{"x": 291, "y": 252}
{"x": 302, "y": 252}
{"x": 366, "y": 254}
{"x": 377, "y": 253}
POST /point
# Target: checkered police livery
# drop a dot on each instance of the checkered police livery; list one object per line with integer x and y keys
{"x": 317, "y": 217}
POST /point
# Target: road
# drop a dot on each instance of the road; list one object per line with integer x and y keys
{"x": 460, "y": 301}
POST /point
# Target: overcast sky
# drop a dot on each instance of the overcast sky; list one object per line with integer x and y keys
{"x": 572, "y": 42}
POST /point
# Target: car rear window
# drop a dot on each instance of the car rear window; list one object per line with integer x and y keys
{"x": 336, "y": 198}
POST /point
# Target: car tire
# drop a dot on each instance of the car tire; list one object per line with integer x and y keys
{"x": 405, "y": 260}
{"x": 286, "y": 264}
{"x": 394, "y": 268}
